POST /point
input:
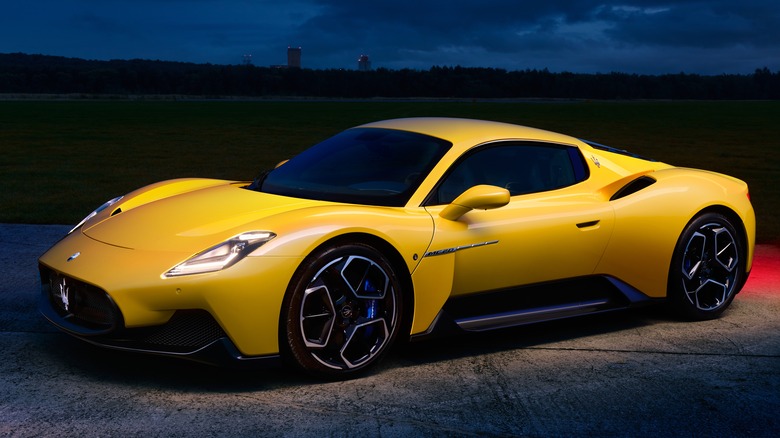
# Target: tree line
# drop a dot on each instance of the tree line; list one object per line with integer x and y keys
{"x": 41, "y": 74}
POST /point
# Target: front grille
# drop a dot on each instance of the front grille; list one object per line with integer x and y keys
{"x": 79, "y": 303}
{"x": 87, "y": 311}
{"x": 187, "y": 328}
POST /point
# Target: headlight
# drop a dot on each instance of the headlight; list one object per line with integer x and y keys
{"x": 221, "y": 256}
{"x": 98, "y": 210}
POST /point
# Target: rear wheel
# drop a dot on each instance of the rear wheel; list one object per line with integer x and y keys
{"x": 707, "y": 267}
{"x": 342, "y": 311}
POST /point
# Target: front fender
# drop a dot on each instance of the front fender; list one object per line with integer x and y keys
{"x": 300, "y": 232}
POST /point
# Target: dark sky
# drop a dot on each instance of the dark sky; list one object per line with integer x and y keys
{"x": 654, "y": 37}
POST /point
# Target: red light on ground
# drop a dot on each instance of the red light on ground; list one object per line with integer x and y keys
{"x": 765, "y": 275}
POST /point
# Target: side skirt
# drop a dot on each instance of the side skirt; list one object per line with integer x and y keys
{"x": 534, "y": 303}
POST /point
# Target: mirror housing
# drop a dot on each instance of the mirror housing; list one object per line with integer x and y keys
{"x": 481, "y": 197}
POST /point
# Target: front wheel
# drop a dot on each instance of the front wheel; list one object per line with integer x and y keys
{"x": 707, "y": 267}
{"x": 342, "y": 311}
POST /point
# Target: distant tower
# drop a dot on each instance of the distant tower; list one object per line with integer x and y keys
{"x": 294, "y": 57}
{"x": 247, "y": 59}
{"x": 363, "y": 63}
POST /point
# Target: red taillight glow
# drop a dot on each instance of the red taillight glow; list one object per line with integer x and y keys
{"x": 765, "y": 275}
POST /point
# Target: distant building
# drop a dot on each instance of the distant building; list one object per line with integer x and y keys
{"x": 363, "y": 63}
{"x": 294, "y": 57}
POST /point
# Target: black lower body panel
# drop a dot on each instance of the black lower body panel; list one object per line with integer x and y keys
{"x": 534, "y": 303}
{"x": 88, "y": 313}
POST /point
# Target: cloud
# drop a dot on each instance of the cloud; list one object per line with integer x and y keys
{"x": 642, "y": 36}
{"x": 564, "y": 35}
{"x": 695, "y": 24}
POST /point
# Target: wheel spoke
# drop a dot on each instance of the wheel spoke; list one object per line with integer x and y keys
{"x": 693, "y": 270}
{"x": 694, "y": 254}
{"x": 725, "y": 249}
{"x": 365, "y": 278}
{"x": 363, "y": 341}
{"x": 348, "y": 312}
{"x": 330, "y": 275}
{"x": 317, "y": 317}
{"x": 710, "y": 294}
{"x": 709, "y": 267}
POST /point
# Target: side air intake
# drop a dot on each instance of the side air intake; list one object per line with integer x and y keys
{"x": 633, "y": 187}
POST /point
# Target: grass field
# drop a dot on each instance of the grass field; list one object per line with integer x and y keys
{"x": 61, "y": 159}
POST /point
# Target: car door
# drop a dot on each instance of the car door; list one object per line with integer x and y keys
{"x": 550, "y": 229}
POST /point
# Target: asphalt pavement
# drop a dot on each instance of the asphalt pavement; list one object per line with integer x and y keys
{"x": 640, "y": 373}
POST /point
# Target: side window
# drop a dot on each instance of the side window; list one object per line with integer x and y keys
{"x": 518, "y": 167}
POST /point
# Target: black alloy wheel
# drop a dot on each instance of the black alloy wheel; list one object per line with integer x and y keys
{"x": 707, "y": 268}
{"x": 342, "y": 311}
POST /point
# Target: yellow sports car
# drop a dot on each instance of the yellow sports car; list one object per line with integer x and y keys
{"x": 397, "y": 229}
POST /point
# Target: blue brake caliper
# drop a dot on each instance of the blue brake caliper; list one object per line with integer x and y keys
{"x": 371, "y": 307}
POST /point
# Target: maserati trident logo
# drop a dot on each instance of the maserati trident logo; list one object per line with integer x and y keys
{"x": 76, "y": 254}
{"x": 64, "y": 295}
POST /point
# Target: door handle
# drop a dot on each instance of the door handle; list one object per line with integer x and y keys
{"x": 588, "y": 224}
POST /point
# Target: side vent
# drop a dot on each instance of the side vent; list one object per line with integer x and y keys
{"x": 633, "y": 187}
{"x": 116, "y": 212}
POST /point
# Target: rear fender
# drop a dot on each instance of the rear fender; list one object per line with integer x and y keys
{"x": 648, "y": 224}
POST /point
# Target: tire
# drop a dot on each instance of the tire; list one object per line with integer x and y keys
{"x": 342, "y": 311}
{"x": 708, "y": 266}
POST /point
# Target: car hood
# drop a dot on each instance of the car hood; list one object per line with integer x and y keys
{"x": 191, "y": 221}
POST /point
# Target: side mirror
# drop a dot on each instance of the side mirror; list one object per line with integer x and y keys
{"x": 482, "y": 197}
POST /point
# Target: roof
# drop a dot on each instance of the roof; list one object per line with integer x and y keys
{"x": 469, "y": 132}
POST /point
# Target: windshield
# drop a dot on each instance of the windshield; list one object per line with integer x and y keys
{"x": 361, "y": 166}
